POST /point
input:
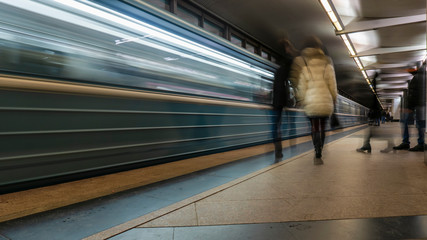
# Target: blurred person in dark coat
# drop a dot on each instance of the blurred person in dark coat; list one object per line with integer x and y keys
{"x": 414, "y": 106}
{"x": 375, "y": 115}
{"x": 281, "y": 93}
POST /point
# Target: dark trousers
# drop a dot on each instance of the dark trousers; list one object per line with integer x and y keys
{"x": 318, "y": 134}
{"x": 318, "y": 124}
{"x": 420, "y": 124}
{"x": 277, "y": 124}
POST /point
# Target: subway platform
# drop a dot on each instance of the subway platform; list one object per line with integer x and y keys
{"x": 252, "y": 196}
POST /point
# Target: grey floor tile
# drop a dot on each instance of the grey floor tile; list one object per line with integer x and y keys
{"x": 3, "y": 237}
{"x": 82, "y": 220}
{"x": 146, "y": 234}
{"x": 243, "y": 167}
{"x": 412, "y": 227}
{"x": 234, "y": 232}
{"x": 184, "y": 187}
{"x": 375, "y": 228}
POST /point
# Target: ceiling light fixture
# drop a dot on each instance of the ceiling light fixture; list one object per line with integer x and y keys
{"x": 330, "y": 10}
{"x": 348, "y": 44}
{"x": 359, "y": 64}
{"x": 336, "y": 21}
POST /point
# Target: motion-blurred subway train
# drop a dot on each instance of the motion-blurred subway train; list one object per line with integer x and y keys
{"x": 91, "y": 87}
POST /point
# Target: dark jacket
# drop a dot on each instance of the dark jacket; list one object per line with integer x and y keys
{"x": 281, "y": 84}
{"x": 416, "y": 92}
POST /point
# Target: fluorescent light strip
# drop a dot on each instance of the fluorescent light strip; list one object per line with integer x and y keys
{"x": 331, "y": 14}
{"x": 348, "y": 44}
{"x": 159, "y": 33}
{"x": 365, "y": 75}
{"x": 358, "y": 62}
{"x": 334, "y": 19}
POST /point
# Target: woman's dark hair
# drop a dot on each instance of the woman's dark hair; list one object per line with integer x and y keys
{"x": 287, "y": 47}
{"x": 313, "y": 42}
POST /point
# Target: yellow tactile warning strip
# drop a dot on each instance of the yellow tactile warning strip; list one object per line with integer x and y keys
{"x": 20, "y": 204}
{"x": 46, "y": 85}
{"x": 138, "y": 222}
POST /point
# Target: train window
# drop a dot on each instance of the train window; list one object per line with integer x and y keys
{"x": 340, "y": 108}
{"x": 273, "y": 59}
{"x": 264, "y": 54}
{"x": 250, "y": 48}
{"x": 214, "y": 28}
{"x": 236, "y": 40}
{"x": 346, "y": 107}
{"x": 163, "y": 4}
{"x": 188, "y": 15}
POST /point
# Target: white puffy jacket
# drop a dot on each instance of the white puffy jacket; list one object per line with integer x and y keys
{"x": 314, "y": 74}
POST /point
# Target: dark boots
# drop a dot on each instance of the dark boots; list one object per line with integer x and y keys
{"x": 278, "y": 149}
{"x": 322, "y": 136}
{"x": 418, "y": 148}
{"x": 366, "y": 147}
{"x": 317, "y": 141}
{"x": 402, "y": 146}
{"x": 389, "y": 147}
{"x": 318, "y": 145}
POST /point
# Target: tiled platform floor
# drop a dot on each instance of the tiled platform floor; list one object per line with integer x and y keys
{"x": 373, "y": 228}
{"x": 350, "y": 185}
{"x": 63, "y": 211}
{"x": 253, "y": 198}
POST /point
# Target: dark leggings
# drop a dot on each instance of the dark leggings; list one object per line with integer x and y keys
{"x": 318, "y": 124}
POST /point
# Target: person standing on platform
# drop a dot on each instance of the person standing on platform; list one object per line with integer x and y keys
{"x": 374, "y": 131}
{"x": 281, "y": 93}
{"x": 415, "y": 106}
{"x": 383, "y": 116}
{"x": 375, "y": 113}
{"x": 314, "y": 73}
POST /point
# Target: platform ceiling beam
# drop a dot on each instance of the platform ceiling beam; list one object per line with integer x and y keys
{"x": 367, "y": 25}
{"x": 390, "y": 50}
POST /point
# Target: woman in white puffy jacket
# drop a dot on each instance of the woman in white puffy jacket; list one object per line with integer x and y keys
{"x": 314, "y": 74}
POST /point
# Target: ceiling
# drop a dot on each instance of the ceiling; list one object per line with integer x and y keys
{"x": 389, "y": 37}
